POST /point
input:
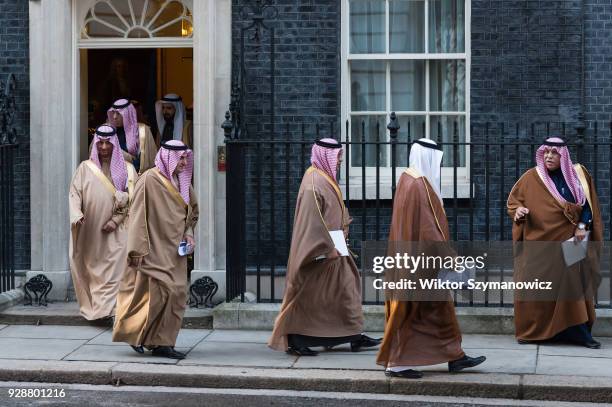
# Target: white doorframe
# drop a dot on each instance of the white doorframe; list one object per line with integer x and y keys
{"x": 79, "y": 11}
{"x": 59, "y": 121}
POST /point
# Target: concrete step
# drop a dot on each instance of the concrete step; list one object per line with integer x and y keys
{"x": 254, "y": 316}
{"x": 67, "y": 313}
{"x": 473, "y": 385}
{"x": 473, "y": 320}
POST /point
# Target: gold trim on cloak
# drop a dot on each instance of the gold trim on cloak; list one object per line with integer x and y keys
{"x": 583, "y": 182}
{"x": 131, "y": 181}
{"x": 171, "y": 188}
{"x": 100, "y": 175}
{"x": 331, "y": 182}
{"x": 142, "y": 138}
{"x": 415, "y": 174}
{"x": 336, "y": 189}
{"x": 108, "y": 184}
{"x": 585, "y": 185}
{"x": 339, "y": 196}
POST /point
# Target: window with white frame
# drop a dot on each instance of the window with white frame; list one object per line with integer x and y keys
{"x": 410, "y": 57}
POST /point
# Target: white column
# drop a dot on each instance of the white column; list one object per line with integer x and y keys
{"x": 52, "y": 143}
{"x": 211, "y": 78}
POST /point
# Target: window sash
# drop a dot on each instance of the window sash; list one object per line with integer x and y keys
{"x": 387, "y": 57}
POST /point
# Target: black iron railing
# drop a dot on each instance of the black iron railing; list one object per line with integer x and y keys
{"x": 8, "y": 149}
{"x": 263, "y": 178}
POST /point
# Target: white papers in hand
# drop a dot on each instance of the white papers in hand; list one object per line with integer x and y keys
{"x": 185, "y": 249}
{"x": 339, "y": 241}
{"x": 573, "y": 251}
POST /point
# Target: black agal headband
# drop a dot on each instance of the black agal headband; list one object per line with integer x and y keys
{"x": 175, "y": 148}
{"x": 121, "y": 106}
{"x": 326, "y": 144}
{"x": 428, "y": 145}
{"x": 171, "y": 99}
{"x": 555, "y": 143}
{"x": 103, "y": 133}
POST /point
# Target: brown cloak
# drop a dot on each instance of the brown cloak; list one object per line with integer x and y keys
{"x": 97, "y": 258}
{"x": 418, "y": 333}
{"x": 152, "y": 297}
{"x": 322, "y": 297}
{"x": 549, "y": 220}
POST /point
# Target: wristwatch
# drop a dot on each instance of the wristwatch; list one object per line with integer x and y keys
{"x": 581, "y": 226}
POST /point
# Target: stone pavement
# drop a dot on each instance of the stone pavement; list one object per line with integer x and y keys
{"x": 241, "y": 359}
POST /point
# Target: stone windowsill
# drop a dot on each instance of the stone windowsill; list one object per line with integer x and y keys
{"x": 356, "y": 188}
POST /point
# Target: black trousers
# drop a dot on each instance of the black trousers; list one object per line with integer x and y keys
{"x": 576, "y": 334}
{"x": 304, "y": 341}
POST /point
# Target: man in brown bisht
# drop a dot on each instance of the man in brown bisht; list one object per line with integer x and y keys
{"x": 419, "y": 333}
{"x": 153, "y": 292}
{"x": 322, "y": 302}
{"x": 556, "y": 201}
{"x": 99, "y": 198}
{"x": 135, "y": 138}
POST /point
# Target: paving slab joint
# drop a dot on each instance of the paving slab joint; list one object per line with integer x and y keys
{"x": 521, "y": 390}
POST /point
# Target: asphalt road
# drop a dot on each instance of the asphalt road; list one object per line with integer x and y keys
{"x": 76, "y": 395}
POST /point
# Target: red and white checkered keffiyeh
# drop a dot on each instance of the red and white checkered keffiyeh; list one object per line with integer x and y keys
{"x": 118, "y": 168}
{"x": 166, "y": 161}
{"x": 567, "y": 169}
{"x": 326, "y": 159}
{"x": 130, "y": 123}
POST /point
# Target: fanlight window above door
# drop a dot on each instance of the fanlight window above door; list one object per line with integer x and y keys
{"x": 133, "y": 19}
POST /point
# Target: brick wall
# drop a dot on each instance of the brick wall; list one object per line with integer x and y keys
{"x": 307, "y": 53}
{"x": 598, "y": 59}
{"x": 14, "y": 59}
{"x": 526, "y": 68}
{"x": 525, "y": 61}
{"x": 306, "y": 93}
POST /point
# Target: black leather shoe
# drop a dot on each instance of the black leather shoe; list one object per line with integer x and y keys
{"x": 302, "y": 351}
{"x": 168, "y": 352}
{"x": 592, "y": 344}
{"x": 406, "y": 374}
{"x": 465, "y": 362}
{"x": 138, "y": 349}
{"x": 364, "y": 342}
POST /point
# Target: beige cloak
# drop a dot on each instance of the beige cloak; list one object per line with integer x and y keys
{"x": 322, "y": 297}
{"x": 152, "y": 297}
{"x": 418, "y": 333}
{"x": 97, "y": 258}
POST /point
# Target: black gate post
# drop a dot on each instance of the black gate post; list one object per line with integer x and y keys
{"x": 393, "y": 128}
{"x": 8, "y": 148}
{"x": 235, "y": 214}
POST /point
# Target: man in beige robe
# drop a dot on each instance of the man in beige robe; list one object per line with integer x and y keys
{"x": 153, "y": 292}
{"x": 322, "y": 302}
{"x": 172, "y": 123}
{"x": 419, "y": 333}
{"x": 99, "y": 197}
{"x": 135, "y": 138}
